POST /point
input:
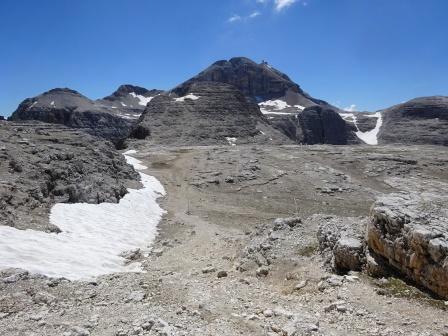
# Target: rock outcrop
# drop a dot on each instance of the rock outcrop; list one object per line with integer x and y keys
{"x": 419, "y": 121}
{"x": 42, "y": 164}
{"x": 208, "y": 113}
{"x": 70, "y": 108}
{"x": 410, "y": 232}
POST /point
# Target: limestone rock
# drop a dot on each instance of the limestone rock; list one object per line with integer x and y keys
{"x": 410, "y": 231}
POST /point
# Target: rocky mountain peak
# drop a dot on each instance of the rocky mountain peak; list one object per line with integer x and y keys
{"x": 63, "y": 91}
{"x": 127, "y": 89}
{"x": 258, "y": 82}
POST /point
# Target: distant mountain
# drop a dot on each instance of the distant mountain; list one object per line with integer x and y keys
{"x": 280, "y": 100}
{"x": 129, "y": 99}
{"x": 70, "y": 108}
{"x": 110, "y": 117}
{"x": 207, "y": 113}
{"x": 258, "y": 82}
{"x": 418, "y": 121}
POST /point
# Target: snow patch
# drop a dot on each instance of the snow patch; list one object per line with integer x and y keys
{"x": 52, "y": 103}
{"x": 275, "y": 106}
{"x": 32, "y": 105}
{"x": 369, "y": 137}
{"x": 188, "y": 96}
{"x": 93, "y": 235}
{"x": 123, "y": 104}
{"x": 142, "y": 99}
{"x": 232, "y": 141}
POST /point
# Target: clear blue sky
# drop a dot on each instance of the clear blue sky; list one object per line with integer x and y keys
{"x": 372, "y": 53}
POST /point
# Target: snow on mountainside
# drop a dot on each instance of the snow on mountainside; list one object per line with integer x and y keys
{"x": 370, "y": 137}
{"x": 93, "y": 235}
{"x": 279, "y": 107}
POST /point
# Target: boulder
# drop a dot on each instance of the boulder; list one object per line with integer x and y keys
{"x": 341, "y": 242}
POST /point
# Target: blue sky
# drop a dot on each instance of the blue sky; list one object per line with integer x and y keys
{"x": 370, "y": 53}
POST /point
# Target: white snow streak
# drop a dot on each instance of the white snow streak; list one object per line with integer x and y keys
{"x": 142, "y": 99}
{"x": 93, "y": 235}
{"x": 369, "y": 137}
{"x": 188, "y": 96}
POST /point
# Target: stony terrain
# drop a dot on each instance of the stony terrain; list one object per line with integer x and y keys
{"x": 43, "y": 164}
{"x": 238, "y": 251}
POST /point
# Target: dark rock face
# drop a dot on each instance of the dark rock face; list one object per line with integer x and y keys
{"x": 324, "y": 126}
{"x": 43, "y": 164}
{"x": 419, "y": 121}
{"x": 70, "y": 108}
{"x": 258, "y": 82}
{"x": 208, "y": 113}
{"x": 365, "y": 121}
{"x": 2, "y": 117}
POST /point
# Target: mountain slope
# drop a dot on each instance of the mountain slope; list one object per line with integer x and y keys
{"x": 258, "y": 82}
{"x": 208, "y": 113}
{"x": 131, "y": 100}
{"x": 418, "y": 121}
{"x": 280, "y": 100}
{"x": 70, "y": 108}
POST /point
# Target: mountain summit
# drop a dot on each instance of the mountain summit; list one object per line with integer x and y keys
{"x": 258, "y": 82}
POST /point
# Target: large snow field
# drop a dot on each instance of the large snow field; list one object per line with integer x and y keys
{"x": 93, "y": 235}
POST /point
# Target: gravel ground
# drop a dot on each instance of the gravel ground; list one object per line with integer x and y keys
{"x": 222, "y": 265}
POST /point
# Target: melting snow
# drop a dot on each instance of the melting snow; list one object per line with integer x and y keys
{"x": 232, "y": 141}
{"x": 52, "y": 103}
{"x": 188, "y": 96}
{"x": 93, "y": 235}
{"x": 142, "y": 99}
{"x": 369, "y": 137}
{"x": 274, "y": 106}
